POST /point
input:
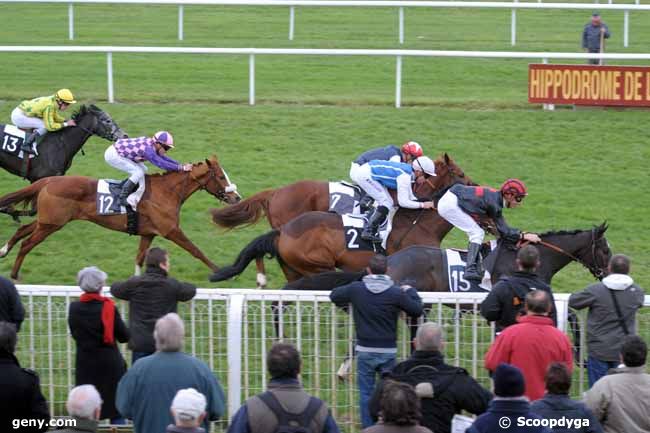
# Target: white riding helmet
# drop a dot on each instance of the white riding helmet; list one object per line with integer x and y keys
{"x": 424, "y": 163}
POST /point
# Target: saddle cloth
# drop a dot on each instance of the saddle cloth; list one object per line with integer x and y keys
{"x": 353, "y": 226}
{"x": 108, "y": 192}
{"x": 456, "y": 261}
{"x": 344, "y": 198}
{"x": 11, "y": 139}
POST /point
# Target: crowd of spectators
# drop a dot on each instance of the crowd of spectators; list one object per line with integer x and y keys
{"x": 165, "y": 390}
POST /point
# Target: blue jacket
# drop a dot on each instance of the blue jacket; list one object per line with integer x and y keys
{"x": 388, "y": 153}
{"x": 386, "y": 172}
{"x": 591, "y": 37}
{"x": 512, "y": 410}
{"x": 376, "y": 303}
{"x": 146, "y": 391}
{"x": 481, "y": 201}
{"x": 557, "y": 406}
{"x": 240, "y": 423}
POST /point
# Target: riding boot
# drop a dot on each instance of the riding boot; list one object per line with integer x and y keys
{"x": 27, "y": 142}
{"x": 473, "y": 269}
{"x": 127, "y": 189}
{"x": 370, "y": 232}
{"x": 364, "y": 203}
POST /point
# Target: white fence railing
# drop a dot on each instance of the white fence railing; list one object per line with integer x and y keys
{"x": 252, "y": 52}
{"x": 232, "y": 330}
{"x": 292, "y": 4}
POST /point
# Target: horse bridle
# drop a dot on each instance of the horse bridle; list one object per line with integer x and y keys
{"x": 212, "y": 174}
{"x": 595, "y": 270}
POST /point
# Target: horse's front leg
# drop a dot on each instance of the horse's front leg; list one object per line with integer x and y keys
{"x": 178, "y": 237}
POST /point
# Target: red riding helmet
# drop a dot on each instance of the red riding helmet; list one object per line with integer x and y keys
{"x": 412, "y": 148}
{"x": 515, "y": 187}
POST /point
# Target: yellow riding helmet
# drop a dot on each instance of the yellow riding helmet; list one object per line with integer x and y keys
{"x": 65, "y": 95}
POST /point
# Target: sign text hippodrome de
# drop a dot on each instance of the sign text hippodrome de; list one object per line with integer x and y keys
{"x": 589, "y": 85}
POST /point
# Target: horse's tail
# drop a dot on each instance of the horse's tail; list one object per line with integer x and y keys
{"x": 24, "y": 195}
{"x": 247, "y": 211}
{"x": 258, "y": 247}
{"x": 325, "y": 280}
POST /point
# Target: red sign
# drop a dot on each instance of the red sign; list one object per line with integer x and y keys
{"x": 589, "y": 85}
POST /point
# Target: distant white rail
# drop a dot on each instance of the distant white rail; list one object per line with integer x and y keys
{"x": 252, "y": 52}
{"x": 292, "y": 4}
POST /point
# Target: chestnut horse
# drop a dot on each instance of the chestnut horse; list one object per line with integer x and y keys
{"x": 63, "y": 199}
{"x": 314, "y": 242}
{"x": 281, "y": 205}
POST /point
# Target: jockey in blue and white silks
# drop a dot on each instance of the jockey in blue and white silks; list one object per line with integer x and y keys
{"x": 377, "y": 177}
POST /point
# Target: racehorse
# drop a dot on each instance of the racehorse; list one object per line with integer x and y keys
{"x": 281, "y": 205}
{"x": 56, "y": 150}
{"x": 423, "y": 266}
{"x": 63, "y": 199}
{"x": 315, "y": 242}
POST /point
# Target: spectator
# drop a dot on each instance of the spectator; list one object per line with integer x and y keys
{"x": 557, "y": 404}
{"x": 84, "y": 406}
{"x": 621, "y": 400}
{"x": 505, "y": 302}
{"x": 532, "y": 344}
{"x": 284, "y": 398}
{"x": 150, "y": 297}
{"x": 376, "y": 303}
{"x": 443, "y": 390}
{"x": 591, "y": 37}
{"x": 20, "y": 388}
{"x": 96, "y": 326}
{"x": 508, "y": 406}
{"x": 11, "y": 309}
{"x": 146, "y": 391}
{"x": 399, "y": 409}
{"x": 613, "y": 303}
{"x": 188, "y": 410}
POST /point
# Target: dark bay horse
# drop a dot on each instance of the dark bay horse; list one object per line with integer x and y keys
{"x": 423, "y": 266}
{"x": 315, "y": 242}
{"x": 57, "y": 149}
{"x": 281, "y": 205}
{"x": 62, "y": 199}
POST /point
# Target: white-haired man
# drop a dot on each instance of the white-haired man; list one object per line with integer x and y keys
{"x": 147, "y": 390}
{"x": 188, "y": 410}
{"x": 84, "y": 406}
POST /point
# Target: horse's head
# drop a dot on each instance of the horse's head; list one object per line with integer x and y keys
{"x": 448, "y": 173}
{"x": 595, "y": 256}
{"x": 212, "y": 178}
{"x": 92, "y": 119}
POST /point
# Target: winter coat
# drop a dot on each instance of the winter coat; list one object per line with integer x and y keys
{"x": 11, "y": 309}
{"x": 454, "y": 390}
{"x": 511, "y": 408}
{"x": 150, "y": 297}
{"x": 96, "y": 363}
{"x": 604, "y": 331}
{"x": 558, "y": 406}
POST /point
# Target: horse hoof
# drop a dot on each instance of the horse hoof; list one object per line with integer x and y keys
{"x": 261, "y": 280}
{"x": 4, "y": 251}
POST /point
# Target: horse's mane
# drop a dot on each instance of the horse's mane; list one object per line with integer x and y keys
{"x": 571, "y": 232}
{"x": 168, "y": 173}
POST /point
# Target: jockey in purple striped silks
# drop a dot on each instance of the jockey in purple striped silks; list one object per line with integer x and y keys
{"x": 128, "y": 155}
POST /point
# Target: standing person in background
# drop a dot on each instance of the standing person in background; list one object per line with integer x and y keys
{"x": 504, "y": 304}
{"x": 96, "y": 326}
{"x": 150, "y": 297}
{"x": 11, "y": 309}
{"x": 592, "y": 35}
{"x": 377, "y": 303}
{"x": 613, "y": 304}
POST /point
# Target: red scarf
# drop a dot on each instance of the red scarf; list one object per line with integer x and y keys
{"x": 108, "y": 314}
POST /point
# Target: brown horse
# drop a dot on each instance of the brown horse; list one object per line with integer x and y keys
{"x": 66, "y": 198}
{"x": 281, "y": 205}
{"x": 315, "y": 242}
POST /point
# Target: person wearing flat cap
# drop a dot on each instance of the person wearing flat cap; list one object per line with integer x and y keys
{"x": 96, "y": 326}
{"x": 188, "y": 410}
{"x": 509, "y": 406}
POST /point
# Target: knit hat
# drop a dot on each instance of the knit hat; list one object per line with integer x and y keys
{"x": 189, "y": 404}
{"x": 91, "y": 279}
{"x": 508, "y": 381}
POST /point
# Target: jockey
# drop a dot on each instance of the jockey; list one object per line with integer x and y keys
{"x": 128, "y": 155}
{"x": 377, "y": 177}
{"x": 408, "y": 152}
{"x": 461, "y": 205}
{"x": 42, "y": 115}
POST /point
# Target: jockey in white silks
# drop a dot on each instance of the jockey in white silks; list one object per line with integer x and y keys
{"x": 377, "y": 177}
{"x": 128, "y": 155}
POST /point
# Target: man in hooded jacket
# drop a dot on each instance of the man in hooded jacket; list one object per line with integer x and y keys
{"x": 376, "y": 303}
{"x": 613, "y": 303}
